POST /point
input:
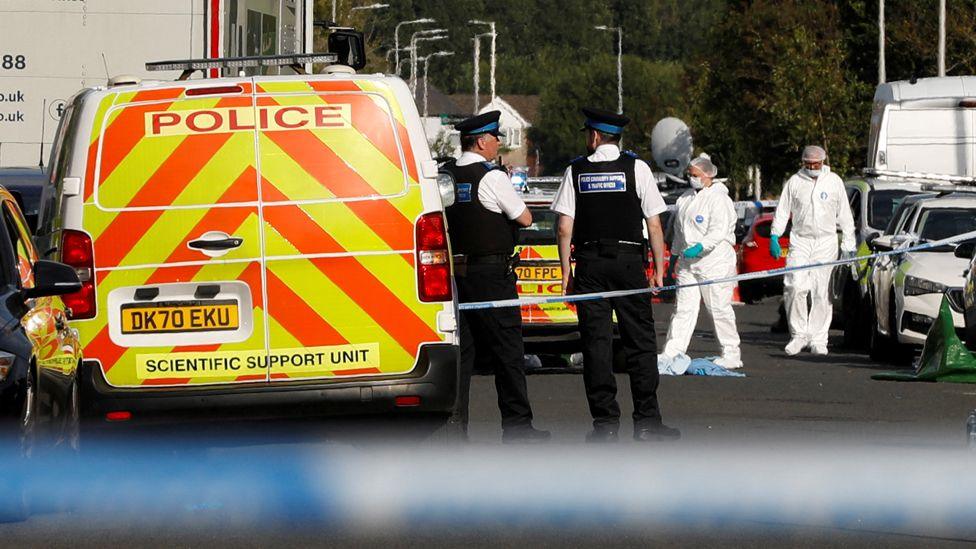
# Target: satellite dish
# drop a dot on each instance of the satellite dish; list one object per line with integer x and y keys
{"x": 671, "y": 146}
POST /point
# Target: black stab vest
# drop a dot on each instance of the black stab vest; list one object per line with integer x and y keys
{"x": 607, "y": 205}
{"x": 473, "y": 229}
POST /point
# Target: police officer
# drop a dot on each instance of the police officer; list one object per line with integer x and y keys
{"x": 482, "y": 224}
{"x": 604, "y": 201}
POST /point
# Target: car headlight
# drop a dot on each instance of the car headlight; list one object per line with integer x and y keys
{"x": 919, "y": 286}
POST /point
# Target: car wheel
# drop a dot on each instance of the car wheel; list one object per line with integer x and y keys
{"x": 72, "y": 427}
{"x": 969, "y": 317}
{"x": 877, "y": 343}
{"x": 854, "y": 320}
{"x": 28, "y": 418}
{"x": 748, "y": 292}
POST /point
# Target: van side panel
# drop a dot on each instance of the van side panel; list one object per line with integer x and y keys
{"x": 340, "y": 197}
{"x": 163, "y": 170}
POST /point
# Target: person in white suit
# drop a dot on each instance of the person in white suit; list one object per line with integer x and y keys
{"x": 704, "y": 237}
{"x": 815, "y": 199}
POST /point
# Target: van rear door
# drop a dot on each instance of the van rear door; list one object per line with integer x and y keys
{"x": 931, "y": 140}
{"x": 340, "y": 196}
{"x": 172, "y": 208}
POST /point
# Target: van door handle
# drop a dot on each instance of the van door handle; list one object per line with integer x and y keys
{"x": 222, "y": 244}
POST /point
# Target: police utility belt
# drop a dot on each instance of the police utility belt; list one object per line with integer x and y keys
{"x": 611, "y": 248}
{"x": 462, "y": 261}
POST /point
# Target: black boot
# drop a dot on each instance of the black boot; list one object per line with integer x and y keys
{"x": 655, "y": 433}
{"x": 525, "y": 435}
{"x": 602, "y": 434}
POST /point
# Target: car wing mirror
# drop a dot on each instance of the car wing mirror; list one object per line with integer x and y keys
{"x": 53, "y": 278}
{"x": 882, "y": 244}
{"x": 965, "y": 250}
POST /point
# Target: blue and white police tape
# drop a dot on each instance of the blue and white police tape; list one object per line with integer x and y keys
{"x": 499, "y": 304}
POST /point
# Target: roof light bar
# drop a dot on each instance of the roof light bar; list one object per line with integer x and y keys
{"x": 944, "y": 188}
{"x": 242, "y": 62}
{"x": 922, "y": 175}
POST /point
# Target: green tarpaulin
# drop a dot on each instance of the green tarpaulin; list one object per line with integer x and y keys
{"x": 944, "y": 356}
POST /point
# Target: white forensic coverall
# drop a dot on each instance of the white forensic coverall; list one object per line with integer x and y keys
{"x": 705, "y": 217}
{"x": 818, "y": 207}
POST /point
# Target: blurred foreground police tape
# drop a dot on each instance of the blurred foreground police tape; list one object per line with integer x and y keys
{"x": 738, "y": 278}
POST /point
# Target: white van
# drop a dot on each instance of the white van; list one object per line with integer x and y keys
{"x": 925, "y": 126}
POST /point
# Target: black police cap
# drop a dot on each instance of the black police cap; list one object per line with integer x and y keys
{"x": 604, "y": 121}
{"x": 481, "y": 124}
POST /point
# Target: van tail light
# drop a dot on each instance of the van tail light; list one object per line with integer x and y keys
{"x": 433, "y": 259}
{"x": 77, "y": 251}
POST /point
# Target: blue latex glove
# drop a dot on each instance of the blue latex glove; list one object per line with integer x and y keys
{"x": 693, "y": 251}
{"x": 774, "y": 249}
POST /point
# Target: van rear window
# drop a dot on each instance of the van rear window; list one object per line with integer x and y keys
{"x": 330, "y": 146}
{"x": 187, "y": 152}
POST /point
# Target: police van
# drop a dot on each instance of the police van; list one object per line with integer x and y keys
{"x": 255, "y": 240}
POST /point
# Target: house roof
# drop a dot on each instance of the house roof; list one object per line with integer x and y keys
{"x": 438, "y": 102}
{"x": 526, "y": 106}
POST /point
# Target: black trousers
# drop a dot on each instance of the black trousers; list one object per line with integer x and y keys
{"x": 497, "y": 334}
{"x": 635, "y": 321}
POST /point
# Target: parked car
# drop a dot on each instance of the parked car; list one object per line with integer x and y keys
{"x": 967, "y": 251}
{"x": 907, "y": 288}
{"x": 863, "y": 313}
{"x": 40, "y": 355}
{"x": 553, "y": 327}
{"x": 30, "y": 188}
{"x": 873, "y": 202}
{"x": 754, "y": 257}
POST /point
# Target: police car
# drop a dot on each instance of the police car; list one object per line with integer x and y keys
{"x": 252, "y": 241}
{"x": 873, "y": 201}
{"x": 550, "y": 327}
{"x": 907, "y": 289}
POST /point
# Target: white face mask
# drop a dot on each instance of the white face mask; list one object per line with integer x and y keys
{"x": 812, "y": 173}
{"x": 695, "y": 182}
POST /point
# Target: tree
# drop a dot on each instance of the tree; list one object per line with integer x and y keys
{"x": 777, "y": 79}
{"x": 652, "y": 90}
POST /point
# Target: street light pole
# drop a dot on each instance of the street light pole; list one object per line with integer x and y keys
{"x": 942, "y": 36}
{"x": 881, "y": 43}
{"x": 477, "y": 70}
{"x": 494, "y": 36}
{"x": 426, "y": 61}
{"x": 396, "y": 39}
{"x": 620, "y": 66}
{"x": 420, "y": 36}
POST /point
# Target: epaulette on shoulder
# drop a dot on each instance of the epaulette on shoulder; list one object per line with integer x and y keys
{"x": 577, "y": 159}
{"x": 492, "y": 166}
{"x": 631, "y": 154}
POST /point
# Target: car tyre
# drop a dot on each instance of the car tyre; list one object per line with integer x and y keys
{"x": 28, "y": 423}
{"x": 749, "y": 292}
{"x": 72, "y": 427}
{"x": 855, "y": 322}
{"x": 878, "y": 344}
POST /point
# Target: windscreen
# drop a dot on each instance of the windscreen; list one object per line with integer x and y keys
{"x": 764, "y": 229}
{"x": 883, "y": 205}
{"x": 543, "y": 228}
{"x": 939, "y": 223}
